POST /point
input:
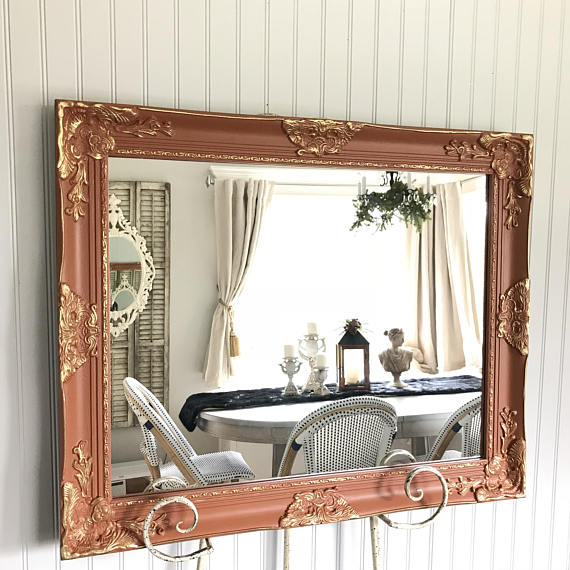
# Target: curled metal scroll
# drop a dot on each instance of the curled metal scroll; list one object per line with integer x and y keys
{"x": 166, "y": 557}
{"x": 175, "y": 483}
{"x": 419, "y": 497}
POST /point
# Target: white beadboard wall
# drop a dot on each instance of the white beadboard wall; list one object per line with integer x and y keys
{"x": 486, "y": 64}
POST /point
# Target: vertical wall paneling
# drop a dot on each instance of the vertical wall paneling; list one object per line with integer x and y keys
{"x": 460, "y": 63}
{"x": 249, "y": 548}
{"x": 418, "y": 543}
{"x": 192, "y": 60}
{"x": 222, "y": 32}
{"x": 281, "y": 57}
{"x": 160, "y": 42}
{"x": 34, "y": 450}
{"x": 413, "y": 62}
{"x": 128, "y": 52}
{"x": 96, "y": 50}
{"x": 389, "y": 62}
{"x": 308, "y": 53}
{"x": 252, "y": 55}
{"x": 12, "y": 541}
{"x": 335, "y": 53}
{"x": 480, "y": 64}
{"x": 545, "y": 330}
{"x": 438, "y": 25}
{"x": 363, "y": 58}
{"x": 351, "y": 536}
{"x": 560, "y": 519}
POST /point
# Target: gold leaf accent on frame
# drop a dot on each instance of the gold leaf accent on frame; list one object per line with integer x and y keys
{"x": 505, "y": 473}
{"x": 88, "y": 523}
{"x": 319, "y": 136}
{"x": 511, "y": 160}
{"x": 78, "y": 331}
{"x": 514, "y": 316}
{"x": 87, "y": 130}
{"x": 317, "y": 507}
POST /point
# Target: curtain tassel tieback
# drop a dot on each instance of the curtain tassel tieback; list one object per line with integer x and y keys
{"x": 234, "y": 339}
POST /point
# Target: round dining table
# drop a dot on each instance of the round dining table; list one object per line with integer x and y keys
{"x": 419, "y": 418}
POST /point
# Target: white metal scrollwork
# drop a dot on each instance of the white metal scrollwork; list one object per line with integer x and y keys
{"x": 166, "y": 557}
{"x": 418, "y": 497}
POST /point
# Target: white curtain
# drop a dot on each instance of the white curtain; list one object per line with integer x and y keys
{"x": 444, "y": 332}
{"x": 239, "y": 207}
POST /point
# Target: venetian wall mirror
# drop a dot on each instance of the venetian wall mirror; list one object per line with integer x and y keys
{"x": 129, "y": 259}
{"x": 294, "y": 316}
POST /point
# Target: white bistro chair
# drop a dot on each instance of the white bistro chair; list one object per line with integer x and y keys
{"x": 186, "y": 468}
{"x": 186, "y": 464}
{"x": 467, "y": 420}
{"x": 353, "y": 433}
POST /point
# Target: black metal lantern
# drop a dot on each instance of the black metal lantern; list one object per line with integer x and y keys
{"x": 353, "y": 359}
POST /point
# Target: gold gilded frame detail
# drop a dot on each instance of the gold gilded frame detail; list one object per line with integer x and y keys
{"x": 89, "y": 525}
{"x": 78, "y": 331}
{"x": 317, "y": 507}
{"x": 505, "y": 473}
{"x": 88, "y": 130}
{"x": 514, "y": 316}
{"x": 511, "y": 160}
{"x": 320, "y": 136}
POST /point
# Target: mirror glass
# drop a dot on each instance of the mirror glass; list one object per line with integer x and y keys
{"x": 298, "y": 291}
{"x": 124, "y": 299}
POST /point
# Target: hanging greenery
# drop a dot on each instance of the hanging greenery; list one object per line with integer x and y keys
{"x": 409, "y": 205}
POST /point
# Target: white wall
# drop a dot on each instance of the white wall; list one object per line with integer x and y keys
{"x": 487, "y": 64}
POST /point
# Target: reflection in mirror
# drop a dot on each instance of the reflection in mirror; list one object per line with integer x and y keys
{"x": 127, "y": 253}
{"x": 124, "y": 298}
{"x": 270, "y": 254}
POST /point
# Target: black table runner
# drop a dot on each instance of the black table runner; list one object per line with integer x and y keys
{"x": 237, "y": 399}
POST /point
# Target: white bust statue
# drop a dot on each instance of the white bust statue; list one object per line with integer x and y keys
{"x": 396, "y": 359}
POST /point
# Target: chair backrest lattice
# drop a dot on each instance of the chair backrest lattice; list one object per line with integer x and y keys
{"x": 467, "y": 419}
{"x": 353, "y": 433}
{"x": 472, "y": 435}
{"x": 153, "y": 416}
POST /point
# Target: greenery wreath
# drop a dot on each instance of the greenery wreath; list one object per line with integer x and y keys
{"x": 409, "y": 205}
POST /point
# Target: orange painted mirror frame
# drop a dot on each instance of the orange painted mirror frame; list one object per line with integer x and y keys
{"x": 92, "y": 522}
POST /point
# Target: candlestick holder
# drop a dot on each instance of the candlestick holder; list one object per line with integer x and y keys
{"x": 309, "y": 346}
{"x": 316, "y": 382}
{"x": 290, "y": 366}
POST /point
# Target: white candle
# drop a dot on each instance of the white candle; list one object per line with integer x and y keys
{"x": 289, "y": 351}
{"x": 311, "y": 328}
{"x": 321, "y": 360}
{"x": 351, "y": 376}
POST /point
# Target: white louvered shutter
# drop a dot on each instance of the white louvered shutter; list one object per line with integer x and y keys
{"x": 142, "y": 350}
{"x": 152, "y": 325}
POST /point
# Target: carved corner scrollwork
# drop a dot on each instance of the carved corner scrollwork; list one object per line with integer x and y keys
{"x": 88, "y": 524}
{"x": 87, "y": 130}
{"x": 317, "y": 507}
{"x": 78, "y": 331}
{"x": 320, "y": 136}
{"x": 514, "y": 316}
{"x": 511, "y": 160}
{"x": 505, "y": 473}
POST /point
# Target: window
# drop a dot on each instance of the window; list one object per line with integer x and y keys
{"x": 309, "y": 267}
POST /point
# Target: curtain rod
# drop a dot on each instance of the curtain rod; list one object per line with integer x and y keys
{"x": 210, "y": 180}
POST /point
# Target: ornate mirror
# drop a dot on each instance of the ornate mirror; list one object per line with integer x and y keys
{"x": 260, "y": 275}
{"x": 130, "y": 260}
